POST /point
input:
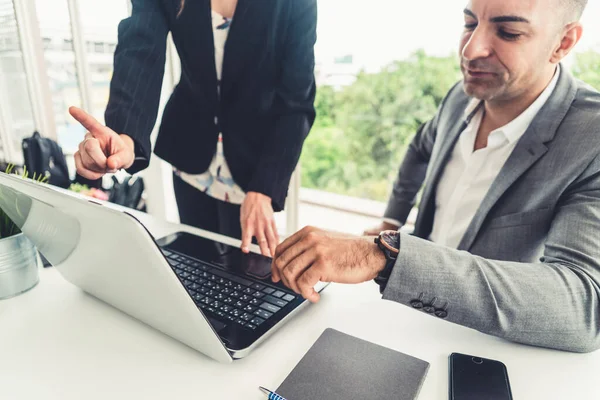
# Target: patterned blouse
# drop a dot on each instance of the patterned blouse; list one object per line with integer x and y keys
{"x": 217, "y": 181}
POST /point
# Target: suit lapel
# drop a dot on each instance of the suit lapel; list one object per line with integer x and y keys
{"x": 530, "y": 148}
{"x": 245, "y": 40}
{"x": 439, "y": 161}
{"x": 194, "y": 33}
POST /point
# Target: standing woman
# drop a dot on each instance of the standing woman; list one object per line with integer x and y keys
{"x": 234, "y": 126}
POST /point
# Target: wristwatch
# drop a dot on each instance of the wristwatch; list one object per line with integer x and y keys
{"x": 389, "y": 243}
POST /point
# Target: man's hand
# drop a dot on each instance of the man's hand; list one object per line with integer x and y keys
{"x": 312, "y": 255}
{"x": 383, "y": 226}
{"x": 102, "y": 149}
{"x": 256, "y": 217}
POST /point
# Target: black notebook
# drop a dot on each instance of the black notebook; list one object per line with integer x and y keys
{"x": 340, "y": 366}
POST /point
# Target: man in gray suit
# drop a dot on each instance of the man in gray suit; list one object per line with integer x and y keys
{"x": 507, "y": 239}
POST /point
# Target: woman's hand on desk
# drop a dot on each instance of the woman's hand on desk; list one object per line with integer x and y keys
{"x": 102, "y": 149}
{"x": 313, "y": 255}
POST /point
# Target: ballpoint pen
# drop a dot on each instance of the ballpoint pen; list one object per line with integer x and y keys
{"x": 271, "y": 395}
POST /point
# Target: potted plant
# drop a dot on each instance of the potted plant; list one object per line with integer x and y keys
{"x": 18, "y": 255}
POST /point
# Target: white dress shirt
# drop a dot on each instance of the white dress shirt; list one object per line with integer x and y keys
{"x": 469, "y": 174}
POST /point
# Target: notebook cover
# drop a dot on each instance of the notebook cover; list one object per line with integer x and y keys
{"x": 340, "y": 366}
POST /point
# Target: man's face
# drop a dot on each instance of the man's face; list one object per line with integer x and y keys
{"x": 506, "y": 47}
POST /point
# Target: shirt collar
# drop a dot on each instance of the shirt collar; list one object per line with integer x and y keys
{"x": 517, "y": 127}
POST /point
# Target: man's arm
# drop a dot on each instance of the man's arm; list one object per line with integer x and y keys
{"x": 295, "y": 96}
{"x": 139, "y": 67}
{"x": 554, "y": 303}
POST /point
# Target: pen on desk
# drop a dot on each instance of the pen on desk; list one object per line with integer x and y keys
{"x": 271, "y": 395}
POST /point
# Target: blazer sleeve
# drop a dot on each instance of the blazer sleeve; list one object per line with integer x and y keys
{"x": 139, "y": 66}
{"x": 552, "y": 303}
{"x": 295, "y": 95}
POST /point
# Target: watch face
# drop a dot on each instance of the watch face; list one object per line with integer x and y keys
{"x": 390, "y": 240}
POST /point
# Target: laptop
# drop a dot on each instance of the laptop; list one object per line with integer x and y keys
{"x": 204, "y": 293}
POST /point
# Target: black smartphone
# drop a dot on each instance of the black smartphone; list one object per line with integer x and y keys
{"x": 476, "y": 378}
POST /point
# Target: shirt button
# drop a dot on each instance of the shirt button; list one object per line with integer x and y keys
{"x": 441, "y": 313}
{"x": 216, "y": 120}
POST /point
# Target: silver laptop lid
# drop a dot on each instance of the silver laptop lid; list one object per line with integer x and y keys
{"x": 111, "y": 256}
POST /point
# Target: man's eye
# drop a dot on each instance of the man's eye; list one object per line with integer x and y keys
{"x": 470, "y": 27}
{"x": 509, "y": 36}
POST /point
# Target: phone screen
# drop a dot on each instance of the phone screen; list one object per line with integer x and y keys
{"x": 476, "y": 378}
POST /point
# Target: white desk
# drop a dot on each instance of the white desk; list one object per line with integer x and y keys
{"x": 58, "y": 343}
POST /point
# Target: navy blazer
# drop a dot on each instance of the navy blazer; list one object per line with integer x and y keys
{"x": 265, "y": 109}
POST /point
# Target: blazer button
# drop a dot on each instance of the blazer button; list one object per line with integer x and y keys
{"x": 442, "y": 312}
{"x": 429, "y": 308}
{"x": 417, "y": 303}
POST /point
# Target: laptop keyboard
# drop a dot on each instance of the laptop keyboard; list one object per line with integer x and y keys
{"x": 230, "y": 297}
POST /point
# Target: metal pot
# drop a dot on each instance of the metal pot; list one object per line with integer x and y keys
{"x": 18, "y": 266}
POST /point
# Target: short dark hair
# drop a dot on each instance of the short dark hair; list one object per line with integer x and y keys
{"x": 573, "y": 8}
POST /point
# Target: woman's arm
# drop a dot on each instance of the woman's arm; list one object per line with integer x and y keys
{"x": 139, "y": 67}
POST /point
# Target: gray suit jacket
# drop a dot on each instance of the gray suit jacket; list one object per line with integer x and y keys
{"x": 528, "y": 266}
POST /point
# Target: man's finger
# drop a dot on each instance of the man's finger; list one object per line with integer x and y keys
{"x": 287, "y": 258}
{"x": 247, "y": 233}
{"x": 307, "y": 281}
{"x": 292, "y": 240}
{"x": 295, "y": 268}
{"x": 90, "y": 123}
{"x": 81, "y": 170}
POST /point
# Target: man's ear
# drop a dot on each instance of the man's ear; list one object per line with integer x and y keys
{"x": 570, "y": 36}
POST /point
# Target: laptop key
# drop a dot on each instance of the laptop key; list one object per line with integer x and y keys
{"x": 278, "y": 293}
{"x": 250, "y": 326}
{"x": 254, "y": 302}
{"x": 207, "y": 300}
{"x": 270, "y": 307}
{"x": 198, "y": 297}
{"x": 246, "y": 317}
{"x": 289, "y": 297}
{"x": 240, "y": 321}
{"x": 257, "y": 286}
{"x": 239, "y": 304}
{"x": 166, "y": 252}
{"x": 231, "y": 277}
{"x": 238, "y": 287}
{"x": 258, "y": 295}
{"x": 225, "y": 308}
{"x": 249, "y": 308}
{"x": 263, "y": 314}
{"x": 276, "y": 301}
{"x": 228, "y": 300}
{"x": 245, "y": 298}
{"x": 268, "y": 290}
{"x": 236, "y": 313}
{"x": 235, "y": 294}
{"x": 249, "y": 290}
{"x": 257, "y": 321}
{"x": 230, "y": 317}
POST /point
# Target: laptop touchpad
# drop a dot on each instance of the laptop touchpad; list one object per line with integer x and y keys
{"x": 217, "y": 325}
